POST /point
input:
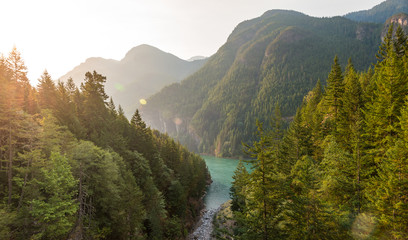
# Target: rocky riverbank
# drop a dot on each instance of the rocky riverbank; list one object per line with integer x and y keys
{"x": 204, "y": 227}
{"x": 224, "y": 223}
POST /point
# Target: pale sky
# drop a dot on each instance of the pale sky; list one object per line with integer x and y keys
{"x": 58, "y": 35}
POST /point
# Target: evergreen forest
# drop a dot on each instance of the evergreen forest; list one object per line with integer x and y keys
{"x": 379, "y": 13}
{"x": 273, "y": 59}
{"x": 340, "y": 170}
{"x": 72, "y": 166}
{"x": 318, "y": 116}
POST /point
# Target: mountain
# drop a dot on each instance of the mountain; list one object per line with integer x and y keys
{"x": 196, "y": 58}
{"x": 143, "y": 71}
{"x": 400, "y": 19}
{"x": 381, "y": 12}
{"x": 273, "y": 59}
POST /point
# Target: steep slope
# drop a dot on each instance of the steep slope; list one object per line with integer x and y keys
{"x": 276, "y": 58}
{"x": 381, "y": 12}
{"x": 143, "y": 71}
{"x": 400, "y": 19}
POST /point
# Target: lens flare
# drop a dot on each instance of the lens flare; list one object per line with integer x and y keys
{"x": 143, "y": 101}
{"x": 177, "y": 121}
{"x": 363, "y": 226}
{"x": 119, "y": 87}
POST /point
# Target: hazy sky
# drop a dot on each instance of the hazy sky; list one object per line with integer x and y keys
{"x": 57, "y": 35}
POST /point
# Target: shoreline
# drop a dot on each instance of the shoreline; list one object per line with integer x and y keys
{"x": 205, "y": 226}
{"x": 232, "y": 158}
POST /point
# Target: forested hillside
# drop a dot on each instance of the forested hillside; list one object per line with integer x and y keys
{"x": 73, "y": 167}
{"x": 381, "y": 12}
{"x": 340, "y": 171}
{"x": 276, "y": 58}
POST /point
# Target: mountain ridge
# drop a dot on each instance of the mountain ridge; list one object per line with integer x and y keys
{"x": 379, "y": 13}
{"x": 143, "y": 71}
{"x": 273, "y": 59}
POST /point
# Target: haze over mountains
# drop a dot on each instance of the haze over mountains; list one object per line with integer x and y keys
{"x": 379, "y": 13}
{"x": 143, "y": 71}
{"x": 274, "y": 59}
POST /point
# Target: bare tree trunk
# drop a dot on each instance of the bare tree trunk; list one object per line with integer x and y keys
{"x": 20, "y": 202}
{"x": 10, "y": 167}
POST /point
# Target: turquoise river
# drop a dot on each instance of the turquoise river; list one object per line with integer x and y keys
{"x": 221, "y": 171}
{"x": 218, "y": 192}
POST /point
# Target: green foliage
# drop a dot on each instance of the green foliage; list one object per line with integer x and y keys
{"x": 263, "y": 201}
{"x": 54, "y": 211}
{"x": 78, "y": 169}
{"x": 334, "y": 90}
{"x": 340, "y": 171}
{"x": 46, "y": 91}
{"x": 389, "y": 195}
{"x": 379, "y": 13}
{"x": 307, "y": 216}
{"x": 338, "y": 181}
{"x": 275, "y": 58}
{"x": 237, "y": 189}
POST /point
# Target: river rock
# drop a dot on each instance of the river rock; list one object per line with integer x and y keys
{"x": 204, "y": 227}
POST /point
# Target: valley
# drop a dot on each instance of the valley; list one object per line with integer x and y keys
{"x": 147, "y": 147}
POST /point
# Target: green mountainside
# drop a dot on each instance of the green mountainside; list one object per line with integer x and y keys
{"x": 273, "y": 59}
{"x": 340, "y": 170}
{"x": 143, "y": 71}
{"x": 381, "y": 12}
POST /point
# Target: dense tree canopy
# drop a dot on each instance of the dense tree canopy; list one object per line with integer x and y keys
{"x": 340, "y": 171}
{"x": 273, "y": 59}
{"x": 72, "y": 165}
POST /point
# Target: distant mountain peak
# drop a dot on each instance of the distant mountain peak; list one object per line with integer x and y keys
{"x": 143, "y": 71}
{"x": 144, "y": 50}
{"x": 93, "y": 60}
{"x": 143, "y": 47}
{"x": 381, "y": 12}
{"x": 273, "y": 12}
{"x": 272, "y": 59}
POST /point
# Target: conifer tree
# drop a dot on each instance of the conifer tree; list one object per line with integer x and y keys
{"x": 349, "y": 123}
{"x": 66, "y": 109}
{"x": 112, "y": 108}
{"x": 263, "y": 207}
{"x": 237, "y": 190}
{"x": 137, "y": 121}
{"x": 307, "y": 215}
{"x": 338, "y": 180}
{"x": 389, "y": 193}
{"x": 384, "y": 119}
{"x": 18, "y": 75}
{"x": 94, "y": 113}
{"x": 400, "y": 42}
{"x": 313, "y": 118}
{"x": 297, "y": 141}
{"x": 17, "y": 67}
{"x": 381, "y": 116}
{"x": 46, "y": 91}
{"x": 120, "y": 193}
{"x": 334, "y": 90}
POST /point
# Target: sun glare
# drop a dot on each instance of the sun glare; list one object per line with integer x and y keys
{"x": 143, "y": 101}
{"x": 119, "y": 87}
